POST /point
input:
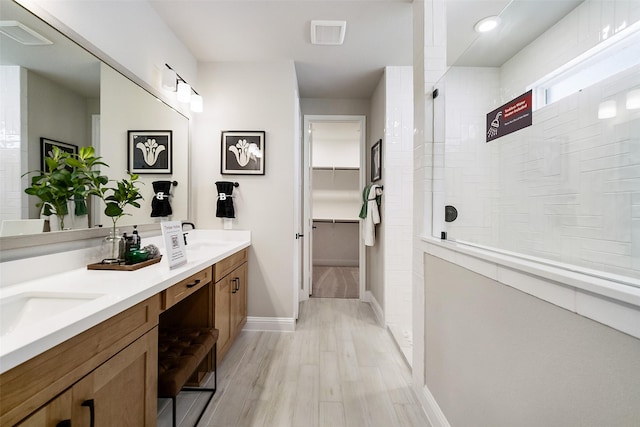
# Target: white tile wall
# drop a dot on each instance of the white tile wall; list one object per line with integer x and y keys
{"x": 10, "y": 153}
{"x": 397, "y": 209}
{"x": 567, "y": 188}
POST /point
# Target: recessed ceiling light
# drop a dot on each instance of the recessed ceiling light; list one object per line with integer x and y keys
{"x": 487, "y": 24}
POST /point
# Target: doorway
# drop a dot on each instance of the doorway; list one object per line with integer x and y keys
{"x": 334, "y": 255}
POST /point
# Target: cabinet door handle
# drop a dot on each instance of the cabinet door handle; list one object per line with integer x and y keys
{"x": 233, "y": 290}
{"x": 92, "y": 411}
{"x": 64, "y": 423}
{"x": 196, "y": 283}
{"x": 237, "y": 284}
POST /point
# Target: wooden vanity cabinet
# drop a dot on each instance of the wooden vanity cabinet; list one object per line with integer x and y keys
{"x": 121, "y": 391}
{"x": 230, "y": 294}
{"x": 114, "y": 364}
{"x": 111, "y": 369}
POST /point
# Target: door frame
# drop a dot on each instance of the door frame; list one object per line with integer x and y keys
{"x": 307, "y": 284}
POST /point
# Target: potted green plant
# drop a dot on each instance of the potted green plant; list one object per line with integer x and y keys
{"x": 125, "y": 193}
{"x": 67, "y": 178}
{"x": 54, "y": 186}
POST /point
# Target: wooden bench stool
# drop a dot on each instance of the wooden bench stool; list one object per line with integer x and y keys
{"x": 180, "y": 352}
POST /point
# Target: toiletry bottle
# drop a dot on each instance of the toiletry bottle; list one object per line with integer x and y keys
{"x": 137, "y": 240}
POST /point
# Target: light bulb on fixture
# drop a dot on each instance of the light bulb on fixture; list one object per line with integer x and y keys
{"x": 184, "y": 92}
{"x": 487, "y": 24}
{"x": 607, "y": 109}
{"x": 169, "y": 79}
{"x": 633, "y": 100}
{"x": 196, "y": 103}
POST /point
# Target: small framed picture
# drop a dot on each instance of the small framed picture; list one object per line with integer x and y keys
{"x": 150, "y": 151}
{"x": 376, "y": 161}
{"x": 46, "y": 147}
{"x": 242, "y": 153}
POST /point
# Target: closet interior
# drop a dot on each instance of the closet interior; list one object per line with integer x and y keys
{"x": 336, "y": 201}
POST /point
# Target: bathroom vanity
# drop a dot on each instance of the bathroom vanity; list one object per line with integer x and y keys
{"x": 96, "y": 357}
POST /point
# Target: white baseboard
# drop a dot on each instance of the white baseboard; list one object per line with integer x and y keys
{"x": 272, "y": 324}
{"x": 432, "y": 409}
{"x": 377, "y": 310}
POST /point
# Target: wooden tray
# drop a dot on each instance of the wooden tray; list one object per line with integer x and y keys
{"x": 124, "y": 267}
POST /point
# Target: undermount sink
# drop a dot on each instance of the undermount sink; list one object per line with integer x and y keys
{"x": 28, "y": 308}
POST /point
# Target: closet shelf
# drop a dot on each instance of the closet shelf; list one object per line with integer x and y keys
{"x": 335, "y": 168}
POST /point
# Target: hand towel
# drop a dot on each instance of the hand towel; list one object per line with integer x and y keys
{"x": 224, "y": 206}
{"x": 160, "y": 205}
{"x": 369, "y": 212}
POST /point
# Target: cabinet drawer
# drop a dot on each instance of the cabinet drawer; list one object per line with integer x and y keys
{"x": 183, "y": 289}
{"x": 227, "y": 265}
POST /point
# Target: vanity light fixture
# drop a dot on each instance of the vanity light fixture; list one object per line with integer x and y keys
{"x": 184, "y": 92}
{"x": 173, "y": 82}
{"x": 607, "y": 109}
{"x": 487, "y": 24}
{"x": 196, "y": 103}
{"x": 633, "y": 100}
{"x": 169, "y": 79}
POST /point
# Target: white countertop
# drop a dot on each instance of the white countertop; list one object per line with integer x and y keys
{"x": 116, "y": 291}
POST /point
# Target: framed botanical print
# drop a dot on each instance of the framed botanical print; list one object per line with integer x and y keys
{"x": 242, "y": 153}
{"x": 376, "y": 161}
{"x": 150, "y": 151}
{"x": 46, "y": 149}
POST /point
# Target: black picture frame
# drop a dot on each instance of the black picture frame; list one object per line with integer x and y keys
{"x": 376, "y": 161}
{"x": 150, "y": 151}
{"x": 46, "y": 149}
{"x": 242, "y": 152}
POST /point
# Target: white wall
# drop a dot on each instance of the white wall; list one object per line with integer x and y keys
{"x": 53, "y": 112}
{"x": 142, "y": 112}
{"x": 322, "y": 106}
{"x": 252, "y": 96}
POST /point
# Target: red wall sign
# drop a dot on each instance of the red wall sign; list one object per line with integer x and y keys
{"x": 512, "y": 116}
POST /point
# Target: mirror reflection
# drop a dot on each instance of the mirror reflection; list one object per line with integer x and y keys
{"x": 56, "y": 93}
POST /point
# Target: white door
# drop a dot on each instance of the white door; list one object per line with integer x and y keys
{"x": 307, "y": 286}
{"x": 307, "y": 216}
{"x": 298, "y": 214}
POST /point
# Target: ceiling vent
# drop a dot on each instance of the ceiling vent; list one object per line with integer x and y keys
{"x": 22, "y": 34}
{"x": 328, "y": 32}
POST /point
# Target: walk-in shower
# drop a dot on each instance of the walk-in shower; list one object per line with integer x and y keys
{"x": 566, "y": 190}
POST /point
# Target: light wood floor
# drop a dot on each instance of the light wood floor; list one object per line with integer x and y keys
{"x": 339, "y": 368}
{"x": 335, "y": 282}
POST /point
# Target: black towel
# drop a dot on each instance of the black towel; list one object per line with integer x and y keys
{"x": 224, "y": 208}
{"x": 160, "y": 204}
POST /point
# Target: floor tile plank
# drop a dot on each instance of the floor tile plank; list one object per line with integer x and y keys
{"x": 339, "y": 369}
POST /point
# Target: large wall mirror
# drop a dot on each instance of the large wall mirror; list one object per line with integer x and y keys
{"x": 57, "y": 92}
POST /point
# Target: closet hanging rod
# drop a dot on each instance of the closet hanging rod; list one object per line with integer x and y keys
{"x": 334, "y": 221}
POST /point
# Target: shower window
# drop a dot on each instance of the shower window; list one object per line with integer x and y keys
{"x": 614, "y": 55}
